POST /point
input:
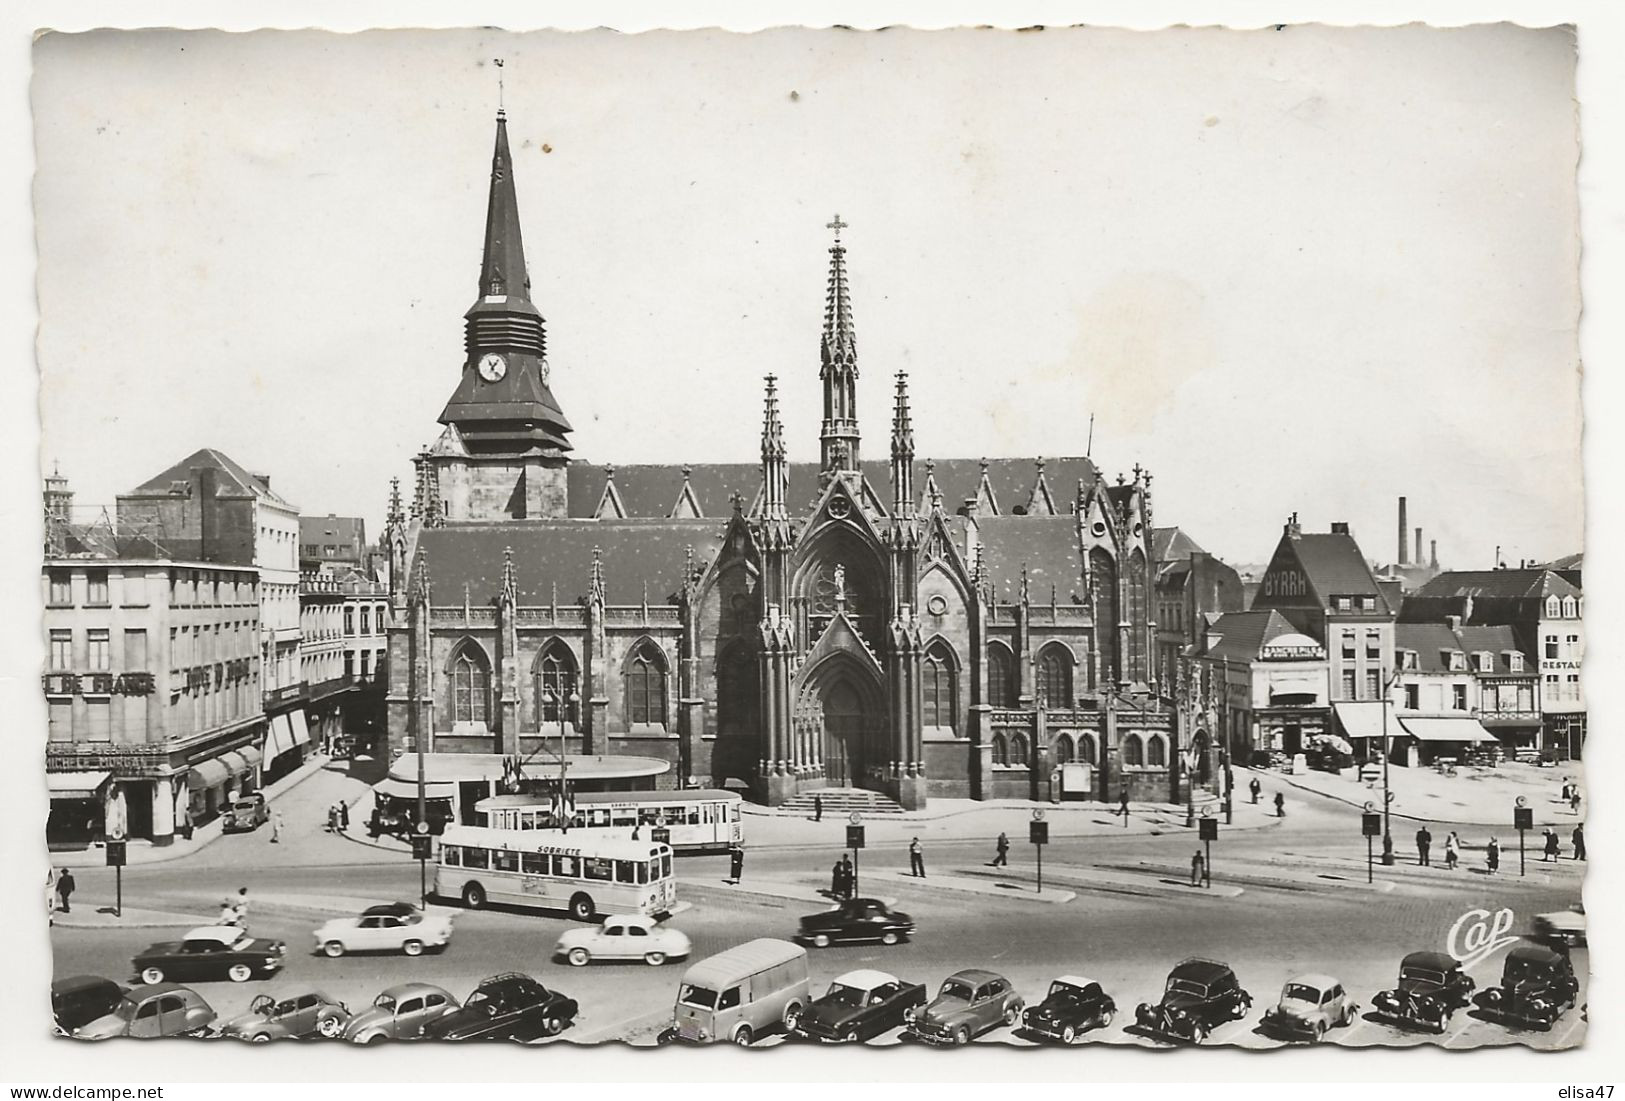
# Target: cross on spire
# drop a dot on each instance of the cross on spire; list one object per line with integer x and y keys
{"x": 501, "y": 108}
{"x": 837, "y": 225}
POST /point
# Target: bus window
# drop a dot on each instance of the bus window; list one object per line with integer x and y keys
{"x": 649, "y": 872}
{"x": 735, "y": 809}
{"x": 598, "y": 818}
{"x": 625, "y": 817}
{"x": 598, "y": 868}
{"x": 624, "y": 872}
{"x": 710, "y": 813}
{"x": 665, "y": 865}
{"x": 505, "y": 860}
{"x": 693, "y": 814}
{"x": 533, "y": 864}
{"x": 565, "y": 867}
{"x": 475, "y": 857}
{"x": 648, "y": 816}
{"x": 451, "y": 855}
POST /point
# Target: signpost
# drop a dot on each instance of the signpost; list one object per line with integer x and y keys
{"x": 115, "y": 860}
{"x": 1208, "y": 832}
{"x": 1038, "y": 834}
{"x": 854, "y": 841}
{"x": 1371, "y": 826}
{"x": 1523, "y": 818}
{"x": 422, "y": 845}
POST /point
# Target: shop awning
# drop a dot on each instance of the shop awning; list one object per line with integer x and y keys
{"x": 278, "y": 737}
{"x": 403, "y": 789}
{"x": 235, "y": 762}
{"x": 75, "y": 785}
{"x": 1364, "y": 720}
{"x": 208, "y": 774}
{"x": 1447, "y": 730}
{"x": 301, "y": 732}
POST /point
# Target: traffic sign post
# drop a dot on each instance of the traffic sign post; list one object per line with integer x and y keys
{"x": 854, "y": 841}
{"x": 422, "y": 846}
{"x": 115, "y": 860}
{"x": 1523, "y": 819}
{"x": 1371, "y": 826}
{"x": 1207, "y": 833}
{"x": 1038, "y": 834}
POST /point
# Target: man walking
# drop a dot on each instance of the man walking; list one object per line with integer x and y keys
{"x": 736, "y": 862}
{"x": 1001, "y": 855}
{"x": 849, "y": 877}
{"x": 818, "y": 808}
{"x": 916, "y": 859}
{"x": 1424, "y": 842}
{"x": 1197, "y": 868}
{"x": 835, "y": 888}
{"x": 64, "y": 889}
{"x": 186, "y": 823}
{"x": 1574, "y": 799}
{"x": 1256, "y": 789}
{"x": 1552, "y": 851}
{"x": 1280, "y": 805}
{"x": 1492, "y": 856}
{"x": 239, "y": 908}
{"x": 1122, "y": 805}
{"x": 1578, "y": 837}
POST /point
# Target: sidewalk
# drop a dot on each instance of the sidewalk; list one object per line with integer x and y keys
{"x": 1476, "y": 796}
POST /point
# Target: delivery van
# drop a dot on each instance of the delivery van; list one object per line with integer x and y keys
{"x": 743, "y": 993}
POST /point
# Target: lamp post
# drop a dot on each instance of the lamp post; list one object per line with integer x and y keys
{"x": 1038, "y": 834}
{"x": 562, "y": 703}
{"x": 1189, "y": 757}
{"x": 854, "y": 841}
{"x": 1387, "y": 792}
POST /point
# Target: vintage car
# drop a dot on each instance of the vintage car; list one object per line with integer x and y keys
{"x": 211, "y": 952}
{"x": 391, "y": 927}
{"x": 510, "y": 1006}
{"x": 400, "y": 1013}
{"x": 80, "y": 999}
{"x": 855, "y": 919}
{"x": 145, "y": 1012}
{"x": 1200, "y": 996}
{"x": 1537, "y": 986}
{"x": 248, "y": 813}
{"x": 1565, "y": 927}
{"x": 1310, "y": 1006}
{"x": 1432, "y": 986}
{"x": 1073, "y": 1006}
{"x": 623, "y": 937}
{"x": 968, "y": 1004}
{"x": 295, "y": 1014}
{"x": 859, "y": 1005}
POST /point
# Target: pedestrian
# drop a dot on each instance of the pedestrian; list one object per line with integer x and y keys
{"x": 50, "y": 896}
{"x": 1574, "y": 799}
{"x": 835, "y": 888}
{"x": 1492, "y": 856}
{"x": 1280, "y": 805}
{"x": 228, "y": 914}
{"x": 736, "y": 862}
{"x": 1568, "y": 789}
{"x": 1256, "y": 789}
{"x": 332, "y": 818}
{"x": 635, "y": 833}
{"x": 64, "y": 889}
{"x": 916, "y": 859}
{"x": 1424, "y": 842}
{"x": 1579, "y": 839}
{"x": 849, "y": 877}
{"x": 344, "y": 816}
{"x": 276, "y": 827}
{"x": 1552, "y": 852}
{"x": 1198, "y": 865}
{"x": 818, "y": 808}
{"x": 239, "y": 908}
{"x": 186, "y": 822}
{"x": 1452, "y": 850}
{"x": 1122, "y": 804}
{"x": 375, "y": 824}
{"x": 1001, "y": 855}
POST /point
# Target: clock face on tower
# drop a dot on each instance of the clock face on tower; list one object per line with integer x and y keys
{"x": 492, "y": 367}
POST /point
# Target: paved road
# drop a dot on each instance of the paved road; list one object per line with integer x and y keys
{"x": 1287, "y": 920}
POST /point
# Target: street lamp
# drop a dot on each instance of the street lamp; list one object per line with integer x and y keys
{"x": 1189, "y": 755}
{"x": 559, "y": 701}
{"x": 1387, "y": 793}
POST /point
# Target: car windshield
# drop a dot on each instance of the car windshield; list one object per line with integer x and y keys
{"x": 1521, "y": 970}
{"x": 954, "y": 988}
{"x": 1065, "y": 991}
{"x": 848, "y": 997}
{"x": 698, "y": 996}
{"x": 1178, "y": 985}
{"x": 1423, "y": 974}
{"x": 385, "y": 1002}
{"x": 126, "y": 1008}
{"x": 1298, "y": 992}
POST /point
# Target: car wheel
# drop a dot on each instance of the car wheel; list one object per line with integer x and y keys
{"x": 375, "y": 1038}
{"x": 582, "y": 908}
{"x": 259, "y": 1038}
{"x": 1069, "y": 1035}
{"x": 792, "y": 1016}
{"x": 579, "y": 957}
{"x": 1320, "y": 1031}
{"x": 240, "y": 972}
{"x": 1199, "y": 1032}
{"x": 821, "y": 940}
{"x": 962, "y": 1037}
{"x": 1107, "y": 1016}
{"x": 152, "y": 975}
{"x": 1350, "y": 1013}
{"x": 742, "y": 1036}
{"x": 330, "y": 1026}
{"x": 413, "y": 948}
{"x": 333, "y": 949}
{"x": 552, "y": 1026}
{"x": 654, "y": 959}
{"x": 1012, "y": 1015}
{"x": 473, "y": 896}
{"x": 889, "y": 937}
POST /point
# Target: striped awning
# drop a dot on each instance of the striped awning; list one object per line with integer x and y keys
{"x": 75, "y": 785}
{"x": 278, "y": 737}
{"x": 208, "y": 774}
{"x": 301, "y": 731}
{"x": 1447, "y": 730}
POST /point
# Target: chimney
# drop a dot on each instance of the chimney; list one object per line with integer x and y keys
{"x": 1418, "y": 546}
{"x": 1433, "y": 559}
{"x": 1291, "y": 527}
{"x": 1340, "y": 527}
{"x": 1403, "y": 559}
{"x": 207, "y": 481}
{"x": 1454, "y": 622}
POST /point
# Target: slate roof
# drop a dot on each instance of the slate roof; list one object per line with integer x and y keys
{"x": 545, "y": 551}
{"x": 1172, "y": 545}
{"x": 344, "y": 530}
{"x": 1244, "y": 634}
{"x": 1497, "y": 641}
{"x": 236, "y": 477}
{"x": 1046, "y": 545}
{"x": 1430, "y": 641}
{"x": 1335, "y": 566}
{"x": 1517, "y": 584}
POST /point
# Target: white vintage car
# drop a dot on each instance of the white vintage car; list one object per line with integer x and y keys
{"x": 392, "y": 927}
{"x": 623, "y": 937}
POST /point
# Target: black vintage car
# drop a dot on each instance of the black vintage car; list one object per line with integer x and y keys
{"x": 1073, "y": 1006}
{"x": 510, "y": 1006}
{"x": 860, "y": 1005}
{"x": 856, "y": 919}
{"x": 1200, "y": 996}
{"x": 1432, "y": 986}
{"x": 78, "y": 1000}
{"x": 1537, "y": 986}
{"x": 212, "y": 952}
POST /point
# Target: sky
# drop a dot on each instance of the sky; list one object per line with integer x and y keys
{"x": 1299, "y": 271}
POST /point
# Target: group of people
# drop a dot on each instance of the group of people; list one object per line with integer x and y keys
{"x": 234, "y": 911}
{"x": 843, "y": 879}
{"x": 1571, "y": 794}
{"x": 1551, "y": 850}
{"x": 338, "y": 817}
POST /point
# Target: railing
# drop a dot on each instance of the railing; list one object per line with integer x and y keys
{"x": 567, "y": 616}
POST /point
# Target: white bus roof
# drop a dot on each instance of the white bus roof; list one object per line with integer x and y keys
{"x": 726, "y": 968}
{"x": 547, "y": 841}
{"x": 584, "y": 798}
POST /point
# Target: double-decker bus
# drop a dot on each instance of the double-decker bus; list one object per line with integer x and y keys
{"x": 697, "y": 820}
{"x": 583, "y": 874}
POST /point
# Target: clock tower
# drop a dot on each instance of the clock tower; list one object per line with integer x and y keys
{"x": 506, "y": 442}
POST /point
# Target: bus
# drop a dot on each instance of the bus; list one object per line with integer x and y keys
{"x": 698, "y": 820}
{"x": 585, "y": 875}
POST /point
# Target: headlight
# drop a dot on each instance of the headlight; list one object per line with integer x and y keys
{"x": 1024, "y": 1016}
{"x": 909, "y": 1014}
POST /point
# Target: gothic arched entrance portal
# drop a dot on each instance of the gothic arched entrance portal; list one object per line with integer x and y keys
{"x": 843, "y": 734}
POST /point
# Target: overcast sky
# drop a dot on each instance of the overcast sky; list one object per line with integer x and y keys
{"x": 1307, "y": 270}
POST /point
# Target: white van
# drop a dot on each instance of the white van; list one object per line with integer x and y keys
{"x": 739, "y": 994}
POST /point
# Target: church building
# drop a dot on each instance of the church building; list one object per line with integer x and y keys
{"x": 915, "y": 627}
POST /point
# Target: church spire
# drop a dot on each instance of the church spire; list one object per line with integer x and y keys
{"x": 773, "y": 464}
{"x": 902, "y": 452}
{"x": 839, "y": 371}
{"x": 503, "y": 272}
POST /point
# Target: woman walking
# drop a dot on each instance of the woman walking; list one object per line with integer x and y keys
{"x": 1452, "y": 850}
{"x": 1492, "y": 856}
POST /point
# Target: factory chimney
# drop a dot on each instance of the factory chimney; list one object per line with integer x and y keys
{"x": 1433, "y": 559}
{"x": 1402, "y": 555}
{"x": 1418, "y": 546}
